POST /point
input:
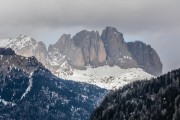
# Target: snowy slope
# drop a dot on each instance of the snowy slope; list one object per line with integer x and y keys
{"x": 108, "y": 77}
{"x": 26, "y": 46}
{"x": 18, "y": 43}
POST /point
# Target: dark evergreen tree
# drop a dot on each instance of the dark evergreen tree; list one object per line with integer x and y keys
{"x": 156, "y": 99}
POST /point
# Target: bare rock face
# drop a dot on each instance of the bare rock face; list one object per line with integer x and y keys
{"x": 146, "y": 57}
{"x": 116, "y": 49}
{"x": 41, "y": 53}
{"x": 63, "y": 55}
{"x": 92, "y": 47}
{"x": 101, "y": 53}
{"x": 65, "y": 51}
{"x": 85, "y": 48}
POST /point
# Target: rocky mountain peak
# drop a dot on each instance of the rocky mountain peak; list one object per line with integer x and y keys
{"x": 146, "y": 57}
{"x": 85, "y": 36}
{"x": 64, "y": 37}
{"x": 109, "y": 29}
{"x": 68, "y": 36}
{"x": 62, "y": 44}
{"x": 22, "y": 36}
{"x": 26, "y": 46}
{"x": 111, "y": 32}
{"x": 25, "y": 39}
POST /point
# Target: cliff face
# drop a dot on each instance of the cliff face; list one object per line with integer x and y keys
{"x": 116, "y": 49}
{"x": 63, "y": 55}
{"x": 92, "y": 47}
{"x": 146, "y": 57}
{"x": 85, "y": 48}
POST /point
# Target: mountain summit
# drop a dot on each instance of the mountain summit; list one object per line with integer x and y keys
{"x": 116, "y": 49}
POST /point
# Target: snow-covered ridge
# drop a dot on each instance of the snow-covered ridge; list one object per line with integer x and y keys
{"x": 26, "y": 46}
{"x": 108, "y": 77}
{"x": 17, "y": 43}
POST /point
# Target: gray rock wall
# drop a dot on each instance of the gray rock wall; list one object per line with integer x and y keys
{"x": 116, "y": 48}
{"x": 92, "y": 47}
{"x": 146, "y": 57}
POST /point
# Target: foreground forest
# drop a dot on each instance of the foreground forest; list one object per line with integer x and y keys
{"x": 156, "y": 99}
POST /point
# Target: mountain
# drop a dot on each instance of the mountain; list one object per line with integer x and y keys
{"x": 146, "y": 57}
{"x": 116, "y": 49}
{"x": 156, "y": 99}
{"x": 92, "y": 47}
{"x": 61, "y": 57}
{"x": 88, "y": 51}
{"x": 30, "y": 91}
{"x": 26, "y": 46}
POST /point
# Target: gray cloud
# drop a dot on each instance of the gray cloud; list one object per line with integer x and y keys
{"x": 156, "y": 22}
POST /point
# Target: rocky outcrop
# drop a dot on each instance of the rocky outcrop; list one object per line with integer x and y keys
{"x": 146, "y": 57}
{"x": 92, "y": 47}
{"x": 40, "y": 52}
{"x": 6, "y": 51}
{"x": 64, "y": 55}
{"x": 116, "y": 49}
{"x": 9, "y": 60}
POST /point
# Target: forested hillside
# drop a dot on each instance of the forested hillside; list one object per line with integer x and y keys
{"x": 156, "y": 99}
{"x": 29, "y": 91}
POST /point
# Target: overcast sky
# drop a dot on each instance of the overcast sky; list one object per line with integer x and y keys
{"x": 155, "y": 22}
